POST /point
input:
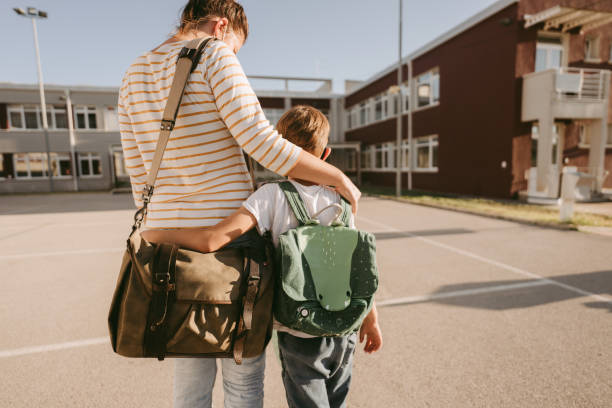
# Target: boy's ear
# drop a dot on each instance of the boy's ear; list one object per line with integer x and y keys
{"x": 326, "y": 153}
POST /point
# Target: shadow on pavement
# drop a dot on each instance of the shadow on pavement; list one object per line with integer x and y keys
{"x": 423, "y": 233}
{"x": 520, "y": 293}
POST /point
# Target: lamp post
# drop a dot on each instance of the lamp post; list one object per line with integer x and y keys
{"x": 400, "y": 110}
{"x": 33, "y": 14}
{"x": 73, "y": 157}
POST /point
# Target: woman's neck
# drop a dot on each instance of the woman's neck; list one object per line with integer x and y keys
{"x": 180, "y": 36}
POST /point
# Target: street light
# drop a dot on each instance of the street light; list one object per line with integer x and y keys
{"x": 400, "y": 110}
{"x": 33, "y": 14}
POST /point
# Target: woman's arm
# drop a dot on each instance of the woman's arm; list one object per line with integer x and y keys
{"x": 208, "y": 239}
{"x": 310, "y": 168}
{"x": 243, "y": 116}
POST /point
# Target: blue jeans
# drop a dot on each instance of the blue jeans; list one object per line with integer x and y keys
{"x": 317, "y": 371}
{"x": 194, "y": 379}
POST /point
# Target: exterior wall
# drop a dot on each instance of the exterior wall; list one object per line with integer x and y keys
{"x": 525, "y": 63}
{"x": 98, "y": 141}
{"x": 475, "y": 119}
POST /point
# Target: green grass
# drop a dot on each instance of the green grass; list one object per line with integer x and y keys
{"x": 509, "y": 209}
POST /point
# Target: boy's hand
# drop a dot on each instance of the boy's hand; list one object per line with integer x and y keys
{"x": 370, "y": 331}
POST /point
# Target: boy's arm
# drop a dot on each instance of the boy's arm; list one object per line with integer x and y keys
{"x": 370, "y": 331}
{"x": 207, "y": 239}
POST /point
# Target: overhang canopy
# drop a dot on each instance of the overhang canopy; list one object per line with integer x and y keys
{"x": 564, "y": 19}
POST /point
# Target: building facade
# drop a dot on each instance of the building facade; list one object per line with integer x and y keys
{"x": 92, "y": 141}
{"x": 499, "y": 104}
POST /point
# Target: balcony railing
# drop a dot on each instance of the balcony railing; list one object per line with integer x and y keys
{"x": 580, "y": 84}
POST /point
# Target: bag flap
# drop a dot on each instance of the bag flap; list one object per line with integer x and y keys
{"x": 296, "y": 275}
{"x": 328, "y": 252}
{"x": 208, "y": 278}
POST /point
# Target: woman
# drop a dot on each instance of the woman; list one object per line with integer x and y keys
{"x": 203, "y": 177}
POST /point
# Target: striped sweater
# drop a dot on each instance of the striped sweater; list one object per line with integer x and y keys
{"x": 203, "y": 176}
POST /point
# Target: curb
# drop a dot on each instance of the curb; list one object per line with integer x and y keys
{"x": 560, "y": 227}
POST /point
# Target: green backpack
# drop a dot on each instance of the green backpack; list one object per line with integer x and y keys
{"x": 326, "y": 275}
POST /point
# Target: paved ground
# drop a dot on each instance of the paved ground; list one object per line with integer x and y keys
{"x": 476, "y": 312}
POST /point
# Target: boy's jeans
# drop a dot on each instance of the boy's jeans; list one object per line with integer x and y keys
{"x": 194, "y": 379}
{"x": 316, "y": 371}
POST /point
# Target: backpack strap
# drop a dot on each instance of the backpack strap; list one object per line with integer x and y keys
{"x": 345, "y": 218}
{"x": 295, "y": 202}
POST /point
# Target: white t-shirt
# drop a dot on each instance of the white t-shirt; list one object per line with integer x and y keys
{"x": 270, "y": 207}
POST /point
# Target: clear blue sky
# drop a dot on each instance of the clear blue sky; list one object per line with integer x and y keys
{"x": 93, "y": 42}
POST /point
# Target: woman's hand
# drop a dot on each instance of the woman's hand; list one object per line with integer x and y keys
{"x": 311, "y": 168}
{"x": 349, "y": 191}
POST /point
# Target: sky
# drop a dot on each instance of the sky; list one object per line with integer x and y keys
{"x": 91, "y": 42}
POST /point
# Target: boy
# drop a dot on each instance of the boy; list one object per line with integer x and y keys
{"x": 316, "y": 370}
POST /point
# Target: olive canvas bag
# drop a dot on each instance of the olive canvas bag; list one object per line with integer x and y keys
{"x": 326, "y": 275}
{"x": 174, "y": 302}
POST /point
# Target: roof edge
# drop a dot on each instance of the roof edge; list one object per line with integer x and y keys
{"x": 453, "y": 32}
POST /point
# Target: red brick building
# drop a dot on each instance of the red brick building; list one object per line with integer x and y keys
{"x": 499, "y": 103}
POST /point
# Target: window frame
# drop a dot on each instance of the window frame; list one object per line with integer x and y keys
{"x": 45, "y": 166}
{"x": 596, "y": 40}
{"x": 434, "y": 89}
{"x": 432, "y": 143}
{"x": 86, "y": 110}
{"x": 89, "y": 157}
{"x": 52, "y": 112}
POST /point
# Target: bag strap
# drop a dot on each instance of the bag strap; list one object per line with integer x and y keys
{"x": 346, "y": 213}
{"x": 188, "y": 60}
{"x": 295, "y": 202}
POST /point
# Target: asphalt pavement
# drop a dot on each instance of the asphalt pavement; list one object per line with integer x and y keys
{"x": 475, "y": 312}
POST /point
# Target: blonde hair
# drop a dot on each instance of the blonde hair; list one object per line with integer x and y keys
{"x": 197, "y": 12}
{"x": 306, "y": 127}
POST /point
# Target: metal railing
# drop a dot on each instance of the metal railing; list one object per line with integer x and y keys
{"x": 581, "y": 84}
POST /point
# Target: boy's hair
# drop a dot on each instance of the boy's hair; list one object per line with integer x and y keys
{"x": 306, "y": 127}
{"x": 197, "y": 12}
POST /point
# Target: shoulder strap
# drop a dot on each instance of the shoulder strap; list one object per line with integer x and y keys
{"x": 295, "y": 202}
{"x": 188, "y": 59}
{"x": 346, "y": 213}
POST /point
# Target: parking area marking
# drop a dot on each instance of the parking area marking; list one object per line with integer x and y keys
{"x": 459, "y": 293}
{"x": 493, "y": 262}
{"x": 61, "y": 253}
{"x": 53, "y": 347}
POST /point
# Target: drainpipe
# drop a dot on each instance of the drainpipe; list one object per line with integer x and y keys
{"x": 73, "y": 157}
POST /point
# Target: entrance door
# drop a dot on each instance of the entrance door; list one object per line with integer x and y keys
{"x": 558, "y": 136}
{"x": 121, "y": 178}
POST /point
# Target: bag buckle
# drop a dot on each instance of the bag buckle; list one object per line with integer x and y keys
{"x": 167, "y": 125}
{"x": 187, "y": 53}
{"x": 147, "y": 192}
{"x": 162, "y": 278}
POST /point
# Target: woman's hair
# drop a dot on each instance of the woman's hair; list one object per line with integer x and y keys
{"x": 197, "y": 12}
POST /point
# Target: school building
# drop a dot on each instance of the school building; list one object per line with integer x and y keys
{"x": 498, "y": 105}
{"x": 85, "y": 153}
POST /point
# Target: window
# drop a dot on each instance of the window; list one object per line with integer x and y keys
{"x": 30, "y": 165}
{"x": 85, "y": 117}
{"x": 2, "y": 168}
{"x": 549, "y": 53}
{"x": 378, "y": 108}
{"x": 30, "y": 117}
{"x": 378, "y": 157}
{"x": 591, "y": 49}
{"x": 426, "y": 151}
{"x": 90, "y": 165}
{"x": 364, "y": 113}
{"x": 273, "y": 115}
{"x": 428, "y": 88}
{"x": 61, "y": 165}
